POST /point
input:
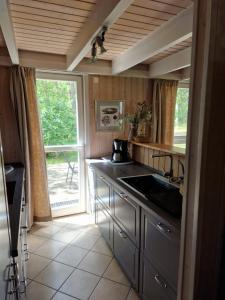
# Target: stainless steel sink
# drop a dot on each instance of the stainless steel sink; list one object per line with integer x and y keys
{"x": 158, "y": 190}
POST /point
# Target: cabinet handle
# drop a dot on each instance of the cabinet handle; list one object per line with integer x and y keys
{"x": 102, "y": 177}
{"x": 163, "y": 228}
{"x": 25, "y": 247}
{"x": 123, "y": 195}
{"x": 160, "y": 282}
{"x": 122, "y": 234}
{"x": 26, "y": 256}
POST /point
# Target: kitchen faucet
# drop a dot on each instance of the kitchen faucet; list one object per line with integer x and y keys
{"x": 170, "y": 173}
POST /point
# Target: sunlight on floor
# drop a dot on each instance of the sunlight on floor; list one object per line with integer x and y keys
{"x": 70, "y": 260}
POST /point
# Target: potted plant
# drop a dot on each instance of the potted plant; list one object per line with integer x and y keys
{"x": 139, "y": 122}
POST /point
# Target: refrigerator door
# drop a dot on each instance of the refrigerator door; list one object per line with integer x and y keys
{"x": 4, "y": 233}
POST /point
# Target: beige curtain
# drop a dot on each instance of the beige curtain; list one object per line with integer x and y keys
{"x": 23, "y": 96}
{"x": 163, "y": 111}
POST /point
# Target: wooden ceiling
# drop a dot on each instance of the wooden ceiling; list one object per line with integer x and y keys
{"x": 139, "y": 20}
{"x": 169, "y": 51}
{"x": 48, "y": 25}
{"x": 51, "y": 26}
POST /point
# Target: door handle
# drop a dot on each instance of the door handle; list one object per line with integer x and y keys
{"x": 163, "y": 228}
{"x": 123, "y": 195}
{"x": 160, "y": 282}
{"x": 122, "y": 234}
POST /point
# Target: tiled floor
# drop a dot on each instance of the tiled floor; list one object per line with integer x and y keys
{"x": 69, "y": 260}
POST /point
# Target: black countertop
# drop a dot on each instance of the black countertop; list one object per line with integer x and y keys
{"x": 113, "y": 172}
{"x": 14, "y": 183}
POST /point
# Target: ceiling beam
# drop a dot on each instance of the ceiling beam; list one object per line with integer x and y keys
{"x": 104, "y": 14}
{"x": 186, "y": 73}
{"x": 8, "y": 32}
{"x": 171, "y": 63}
{"x": 174, "y": 31}
{"x": 56, "y": 62}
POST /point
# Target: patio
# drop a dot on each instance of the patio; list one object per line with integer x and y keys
{"x": 63, "y": 191}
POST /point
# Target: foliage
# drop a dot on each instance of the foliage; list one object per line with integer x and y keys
{"x": 57, "y": 103}
{"x": 142, "y": 113}
{"x": 181, "y": 113}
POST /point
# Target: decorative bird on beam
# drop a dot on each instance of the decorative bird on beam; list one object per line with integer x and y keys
{"x": 98, "y": 42}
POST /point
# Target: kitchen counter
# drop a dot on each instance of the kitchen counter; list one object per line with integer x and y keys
{"x": 113, "y": 172}
{"x": 14, "y": 183}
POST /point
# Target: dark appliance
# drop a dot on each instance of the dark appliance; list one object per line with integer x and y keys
{"x": 120, "y": 151}
{"x": 7, "y": 280}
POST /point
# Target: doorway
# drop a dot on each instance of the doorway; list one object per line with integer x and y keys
{"x": 61, "y": 113}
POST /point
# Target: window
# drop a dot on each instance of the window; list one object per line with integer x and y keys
{"x": 181, "y": 112}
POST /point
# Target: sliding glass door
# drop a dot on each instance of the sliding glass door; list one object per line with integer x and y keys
{"x": 61, "y": 113}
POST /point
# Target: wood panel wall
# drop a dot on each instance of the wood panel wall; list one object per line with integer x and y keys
{"x": 144, "y": 156}
{"x": 8, "y": 127}
{"x": 131, "y": 90}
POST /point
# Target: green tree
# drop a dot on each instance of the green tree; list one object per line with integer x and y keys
{"x": 57, "y": 103}
{"x": 181, "y": 113}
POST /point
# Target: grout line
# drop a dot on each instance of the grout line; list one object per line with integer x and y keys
{"x": 67, "y": 245}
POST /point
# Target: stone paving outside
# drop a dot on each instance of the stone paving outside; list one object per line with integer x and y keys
{"x": 61, "y": 190}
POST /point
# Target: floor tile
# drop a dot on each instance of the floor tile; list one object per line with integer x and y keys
{"x": 65, "y": 235}
{"x": 109, "y": 290}
{"x": 35, "y": 265}
{"x": 115, "y": 273}
{"x": 71, "y": 255}
{"x": 80, "y": 284}
{"x": 50, "y": 249}
{"x": 91, "y": 230}
{"x": 37, "y": 291}
{"x": 132, "y": 295}
{"x": 47, "y": 231}
{"x": 54, "y": 275}
{"x": 85, "y": 241}
{"x": 101, "y": 247}
{"x": 61, "y": 296}
{"x": 95, "y": 263}
{"x": 34, "y": 242}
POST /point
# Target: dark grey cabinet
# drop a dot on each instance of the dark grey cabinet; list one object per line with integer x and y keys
{"x": 160, "y": 244}
{"x": 153, "y": 286}
{"x": 102, "y": 191}
{"x": 145, "y": 244}
{"x": 127, "y": 213}
{"x": 104, "y": 222}
{"x": 126, "y": 253}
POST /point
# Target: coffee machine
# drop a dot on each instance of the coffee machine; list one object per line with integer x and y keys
{"x": 120, "y": 151}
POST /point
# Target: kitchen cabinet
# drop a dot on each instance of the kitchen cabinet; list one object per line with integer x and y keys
{"x": 126, "y": 253}
{"x": 104, "y": 222}
{"x": 127, "y": 214}
{"x": 144, "y": 239}
{"x": 153, "y": 286}
{"x": 102, "y": 191}
{"x": 161, "y": 245}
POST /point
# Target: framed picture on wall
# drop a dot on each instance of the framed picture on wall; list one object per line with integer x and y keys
{"x": 109, "y": 115}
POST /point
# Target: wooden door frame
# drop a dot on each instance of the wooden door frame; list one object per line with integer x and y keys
{"x": 202, "y": 238}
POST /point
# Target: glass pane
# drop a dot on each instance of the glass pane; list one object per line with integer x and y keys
{"x": 63, "y": 178}
{"x": 181, "y": 113}
{"x": 59, "y": 119}
{"x": 58, "y": 111}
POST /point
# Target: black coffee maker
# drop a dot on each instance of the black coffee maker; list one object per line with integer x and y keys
{"x": 120, "y": 151}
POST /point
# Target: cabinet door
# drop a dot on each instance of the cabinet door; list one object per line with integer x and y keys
{"x": 102, "y": 190}
{"x": 153, "y": 286}
{"x": 127, "y": 254}
{"x": 105, "y": 223}
{"x": 127, "y": 213}
{"x": 160, "y": 244}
